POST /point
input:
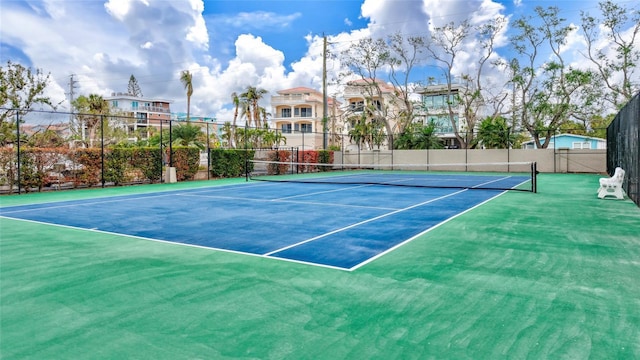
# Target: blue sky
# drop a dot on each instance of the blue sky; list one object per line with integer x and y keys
{"x": 282, "y": 24}
{"x": 227, "y": 44}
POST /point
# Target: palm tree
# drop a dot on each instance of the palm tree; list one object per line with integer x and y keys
{"x": 263, "y": 115}
{"x": 494, "y": 133}
{"x": 245, "y": 111}
{"x": 418, "y": 136}
{"x": 187, "y": 80}
{"x": 188, "y": 135}
{"x": 228, "y": 134}
{"x": 236, "y": 104}
{"x": 252, "y": 96}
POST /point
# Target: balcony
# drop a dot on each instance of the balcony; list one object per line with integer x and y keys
{"x": 148, "y": 109}
{"x": 293, "y": 99}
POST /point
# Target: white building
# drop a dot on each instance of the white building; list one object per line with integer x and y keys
{"x": 435, "y": 109}
{"x": 142, "y": 112}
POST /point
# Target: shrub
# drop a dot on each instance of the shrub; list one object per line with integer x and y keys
{"x": 186, "y": 160}
{"x": 229, "y": 162}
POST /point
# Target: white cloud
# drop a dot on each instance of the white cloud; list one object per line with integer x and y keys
{"x": 118, "y": 8}
{"x": 104, "y": 43}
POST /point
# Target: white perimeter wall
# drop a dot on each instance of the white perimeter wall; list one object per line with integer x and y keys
{"x": 548, "y": 160}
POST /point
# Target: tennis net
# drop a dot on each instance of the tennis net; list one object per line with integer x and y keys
{"x": 519, "y": 176}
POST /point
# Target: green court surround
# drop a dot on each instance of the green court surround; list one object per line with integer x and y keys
{"x": 547, "y": 275}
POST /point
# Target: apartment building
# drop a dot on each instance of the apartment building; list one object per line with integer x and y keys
{"x": 378, "y": 101}
{"x": 298, "y": 114}
{"x": 143, "y": 113}
{"x": 435, "y": 99}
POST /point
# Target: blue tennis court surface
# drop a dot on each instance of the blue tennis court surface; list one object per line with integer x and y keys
{"x": 337, "y": 226}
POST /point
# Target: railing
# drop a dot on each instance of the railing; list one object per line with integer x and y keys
{"x": 147, "y": 109}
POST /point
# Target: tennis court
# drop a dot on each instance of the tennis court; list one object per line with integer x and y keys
{"x": 336, "y": 225}
{"x": 435, "y": 273}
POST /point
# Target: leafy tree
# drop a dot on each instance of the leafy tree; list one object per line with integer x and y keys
{"x": 187, "y": 80}
{"x": 445, "y": 46}
{"x": 599, "y": 124}
{"x": 47, "y": 138}
{"x": 474, "y": 96}
{"x": 615, "y": 17}
{"x": 365, "y": 60}
{"x": 91, "y": 111}
{"x": 405, "y": 53}
{"x": 570, "y": 127}
{"x": 20, "y": 89}
{"x": 546, "y": 95}
{"x": 133, "y": 88}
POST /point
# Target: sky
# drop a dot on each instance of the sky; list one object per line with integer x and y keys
{"x": 227, "y": 45}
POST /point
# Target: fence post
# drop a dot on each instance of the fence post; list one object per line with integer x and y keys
{"x": 18, "y": 148}
{"x": 208, "y": 155}
{"x": 161, "y": 151}
{"x": 170, "y": 143}
{"x": 102, "y": 149}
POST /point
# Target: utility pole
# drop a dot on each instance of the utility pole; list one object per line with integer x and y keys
{"x": 324, "y": 94}
{"x": 73, "y": 126}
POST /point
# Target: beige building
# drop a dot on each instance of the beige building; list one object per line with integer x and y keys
{"x": 377, "y": 101}
{"x": 298, "y": 114}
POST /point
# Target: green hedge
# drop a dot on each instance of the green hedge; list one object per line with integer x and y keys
{"x": 40, "y": 167}
{"x": 227, "y": 163}
{"x": 186, "y": 160}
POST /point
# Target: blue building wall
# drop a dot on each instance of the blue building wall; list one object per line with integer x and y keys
{"x": 570, "y": 141}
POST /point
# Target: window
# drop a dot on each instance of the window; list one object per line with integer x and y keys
{"x": 134, "y": 104}
{"x": 285, "y": 113}
{"x": 581, "y": 145}
{"x": 114, "y": 103}
{"x": 305, "y": 112}
{"x": 356, "y": 105}
{"x": 438, "y": 101}
{"x": 306, "y": 128}
{"x": 442, "y": 123}
{"x": 377, "y": 104}
{"x": 286, "y": 128}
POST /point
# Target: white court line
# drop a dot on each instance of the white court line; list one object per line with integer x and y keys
{"x": 364, "y": 222}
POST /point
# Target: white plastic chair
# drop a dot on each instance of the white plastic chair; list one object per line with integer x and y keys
{"x": 612, "y": 186}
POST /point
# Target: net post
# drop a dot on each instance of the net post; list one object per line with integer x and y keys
{"x": 534, "y": 177}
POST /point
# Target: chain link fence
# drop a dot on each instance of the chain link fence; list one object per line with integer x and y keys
{"x": 58, "y": 150}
